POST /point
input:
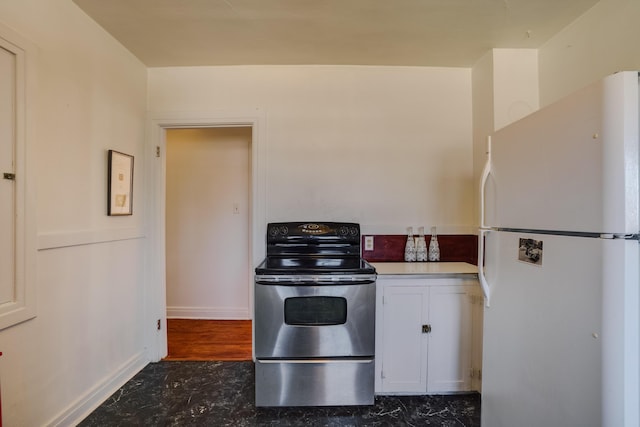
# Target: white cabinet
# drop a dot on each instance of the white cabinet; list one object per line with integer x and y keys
{"x": 425, "y": 335}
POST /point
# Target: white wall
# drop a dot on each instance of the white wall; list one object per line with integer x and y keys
{"x": 207, "y": 222}
{"x": 90, "y": 96}
{"x": 602, "y": 41}
{"x": 387, "y": 147}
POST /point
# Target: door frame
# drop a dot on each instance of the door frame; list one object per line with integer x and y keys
{"x": 155, "y": 167}
{"x": 25, "y": 240}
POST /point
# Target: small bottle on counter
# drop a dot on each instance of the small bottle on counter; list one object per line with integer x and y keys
{"x": 421, "y": 246}
{"x": 410, "y": 246}
{"x": 434, "y": 248}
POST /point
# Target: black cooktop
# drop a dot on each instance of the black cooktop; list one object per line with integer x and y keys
{"x": 313, "y": 248}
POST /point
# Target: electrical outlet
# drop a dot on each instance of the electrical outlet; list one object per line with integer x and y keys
{"x": 368, "y": 243}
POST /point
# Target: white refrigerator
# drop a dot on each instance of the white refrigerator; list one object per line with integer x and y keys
{"x": 559, "y": 238}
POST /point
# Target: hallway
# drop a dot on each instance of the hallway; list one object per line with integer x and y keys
{"x": 208, "y": 340}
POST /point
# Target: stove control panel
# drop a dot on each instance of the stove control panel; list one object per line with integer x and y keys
{"x": 313, "y": 228}
{"x": 313, "y": 232}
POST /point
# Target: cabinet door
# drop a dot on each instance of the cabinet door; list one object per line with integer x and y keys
{"x": 449, "y": 351}
{"x": 404, "y": 352}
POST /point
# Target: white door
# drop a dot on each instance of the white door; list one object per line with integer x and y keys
{"x": 547, "y": 167}
{"x": 542, "y": 333}
{"x": 7, "y": 186}
{"x": 571, "y": 166}
{"x": 404, "y": 353}
{"x": 450, "y": 312}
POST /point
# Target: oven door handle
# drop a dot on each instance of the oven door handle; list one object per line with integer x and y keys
{"x": 292, "y": 280}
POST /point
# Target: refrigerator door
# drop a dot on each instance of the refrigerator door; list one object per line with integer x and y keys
{"x": 571, "y": 166}
{"x": 542, "y": 332}
{"x": 621, "y": 333}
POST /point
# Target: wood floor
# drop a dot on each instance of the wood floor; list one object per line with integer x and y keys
{"x": 218, "y": 340}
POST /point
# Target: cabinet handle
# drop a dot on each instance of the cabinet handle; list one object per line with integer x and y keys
{"x": 426, "y": 329}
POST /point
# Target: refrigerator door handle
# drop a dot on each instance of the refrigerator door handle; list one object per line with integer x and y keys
{"x": 484, "y": 228}
{"x": 483, "y": 182}
{"x": 481, "y": 277}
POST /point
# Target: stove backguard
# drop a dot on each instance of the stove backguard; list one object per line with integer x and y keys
{"x": 313, "y": 239}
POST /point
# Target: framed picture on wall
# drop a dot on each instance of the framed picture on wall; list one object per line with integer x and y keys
{"x": 120, "y": 190}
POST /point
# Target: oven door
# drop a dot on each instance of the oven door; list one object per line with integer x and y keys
{"x": 307, "y": 320}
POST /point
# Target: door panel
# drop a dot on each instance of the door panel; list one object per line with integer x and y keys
{"x": 7, "y": 187}
{"x": 404, "y": 363}
{"x": 277, "y": 338}
{"x": 542, "y": 333}
{"x": 551, "y": 149}
{"x": 450, "y": 339}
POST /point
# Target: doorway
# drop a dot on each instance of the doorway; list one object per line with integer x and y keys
{"x": 207, "y": 222}
{"x": 207, "y": 243}
{"x": 208, "y": 174}
{"x": 159, "y": 125}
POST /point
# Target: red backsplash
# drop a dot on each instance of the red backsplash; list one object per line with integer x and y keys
{"x": 453, "y": 248}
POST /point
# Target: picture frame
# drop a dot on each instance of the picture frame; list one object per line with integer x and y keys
{"x": 530, "y": 251}
{"x": 120, "y": 184}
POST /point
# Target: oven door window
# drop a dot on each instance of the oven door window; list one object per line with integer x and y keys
{"x": 315, "y": 311}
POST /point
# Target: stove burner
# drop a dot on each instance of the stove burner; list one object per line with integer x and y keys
{"x": 276, "y": 230}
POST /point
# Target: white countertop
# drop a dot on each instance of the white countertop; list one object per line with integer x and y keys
{"x": 424, "y": 268}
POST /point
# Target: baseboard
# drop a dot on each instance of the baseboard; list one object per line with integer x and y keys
{"x": 87, "y": 403}
{"x": 213, "y": 313}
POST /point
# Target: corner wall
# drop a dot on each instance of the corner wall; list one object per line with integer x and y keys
{"x": 89, "y": 333}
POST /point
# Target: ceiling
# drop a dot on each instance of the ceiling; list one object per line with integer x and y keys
{"x": 447, "y": 33}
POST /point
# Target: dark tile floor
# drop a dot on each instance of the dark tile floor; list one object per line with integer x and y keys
{"x": 221, "y": 394}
